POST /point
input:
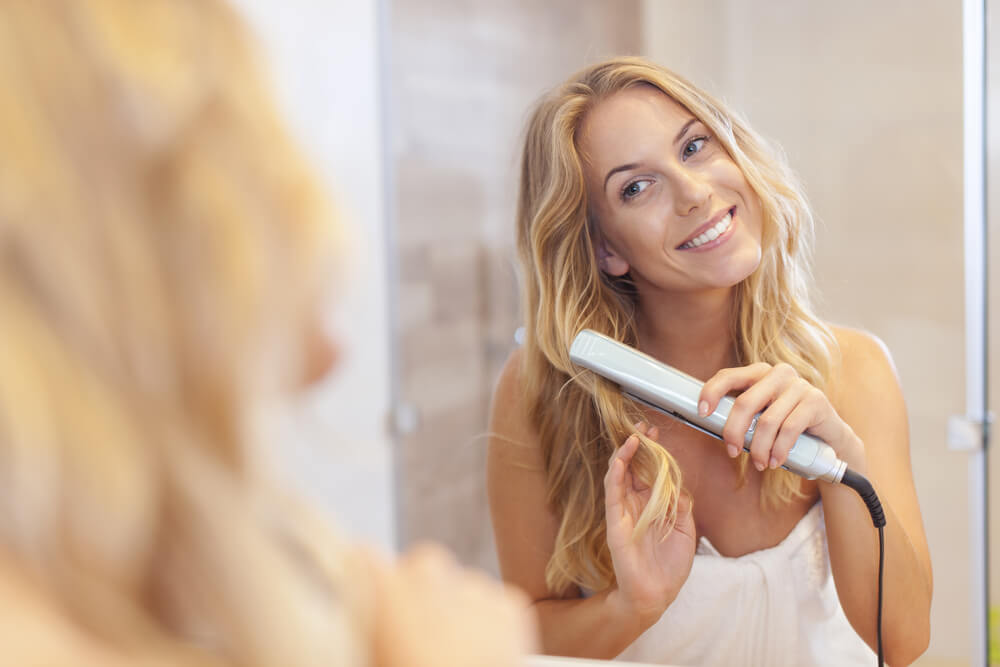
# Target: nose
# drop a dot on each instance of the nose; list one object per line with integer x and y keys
{"x": 691, "y": 191}
{"x": 321, "y": 353}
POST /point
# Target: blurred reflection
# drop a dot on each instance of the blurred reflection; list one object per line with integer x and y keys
{"x": 165, "y": 250}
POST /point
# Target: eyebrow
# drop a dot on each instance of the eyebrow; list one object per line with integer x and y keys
{"x": 624, "y": 167}
{"x": 633, "y": 165}
{"x": 687, "y": 126}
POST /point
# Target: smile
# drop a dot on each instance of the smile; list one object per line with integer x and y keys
{"x": 710, "y": 234}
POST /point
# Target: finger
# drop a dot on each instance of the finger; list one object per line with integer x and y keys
{"x": 627, "y": 455}
{"x": 430, "y": 559}
{"x": 641, "y": 427}
{"x": 754, "y": 401}
{"x": 771, "y": 421}
{"x": 627, "y": 451}
{"x": 801, "y": 418}
{"x": 616, "y": 509}
{"x": 619, "y": 452}
{"x": 727, "y": 380}
{"x": 746, "y": 407}
{"x": 614, "y": 480}
{"x": 634, "y": 482}
{"x": 685, "y": 515}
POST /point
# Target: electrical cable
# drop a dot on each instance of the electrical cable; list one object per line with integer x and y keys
{"x": 864, "y": 489}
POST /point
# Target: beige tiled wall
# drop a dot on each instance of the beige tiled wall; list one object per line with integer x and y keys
{"x": 462, "y": 78}
{"x": 866, "y": 99}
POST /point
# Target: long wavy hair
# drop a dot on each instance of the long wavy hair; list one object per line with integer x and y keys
{"x": 582, "y": 418}
{"x": 162, "y": 247}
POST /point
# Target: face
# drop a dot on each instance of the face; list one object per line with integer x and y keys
{"x": 321, "y": 353}
{"x": 672, "y": 206}
{"x": 319, "y": 343}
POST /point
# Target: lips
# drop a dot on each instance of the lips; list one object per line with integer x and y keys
{"x": 710, "y": 231}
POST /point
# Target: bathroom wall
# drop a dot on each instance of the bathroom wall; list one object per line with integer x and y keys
{"x": 866, "y": 100}
{"x": 462, "y": 77}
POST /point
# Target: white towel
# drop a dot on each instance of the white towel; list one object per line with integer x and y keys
{"x": 771, "y": 608}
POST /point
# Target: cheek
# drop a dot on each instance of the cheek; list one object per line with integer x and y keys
{"x": 733, "y": 180}
{"x": 755, "y": 217}
{"x": 731, "y": 177}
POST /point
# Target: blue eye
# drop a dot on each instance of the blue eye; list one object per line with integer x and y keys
{"x": 694, "y": 146}
{"x": 634, "y": 189}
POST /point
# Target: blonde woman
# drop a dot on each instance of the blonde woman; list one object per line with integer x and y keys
{"x": 164, "y": 249}
{"x": 651, "y": 213}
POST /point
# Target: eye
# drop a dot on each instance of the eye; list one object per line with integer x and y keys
{"x": 634, "y": 189}
{"x": 694, "y": 146}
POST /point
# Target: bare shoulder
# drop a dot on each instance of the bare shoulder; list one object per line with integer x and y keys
{"x": 511, "y": 431}
{"x": 510, "y": 382}
{"x": 864, "y": 374}
{"x": 861, "y": 356}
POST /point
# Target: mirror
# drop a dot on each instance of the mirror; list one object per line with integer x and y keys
{"x": 415, "y": 111}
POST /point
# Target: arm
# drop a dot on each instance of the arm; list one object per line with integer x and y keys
{"x": 868, "y": 396}
{"x": 864, "y": 419}
{"x": 604, "y": 624}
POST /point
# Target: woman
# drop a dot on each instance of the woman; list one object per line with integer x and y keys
{"x": 163, "y": 253}
{"x": 652, "y": 214}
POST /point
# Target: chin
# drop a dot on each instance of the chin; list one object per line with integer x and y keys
{"x": 739, "y": 269}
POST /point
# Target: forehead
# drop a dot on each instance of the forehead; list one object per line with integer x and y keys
{"x": 641, "y": 118}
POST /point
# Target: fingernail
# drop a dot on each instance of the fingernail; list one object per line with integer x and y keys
{"x": 733, "y": 450}
{"x": 703, "y": 409}
{"x": 773, "y": 463}
{"x": 759, "y": 466}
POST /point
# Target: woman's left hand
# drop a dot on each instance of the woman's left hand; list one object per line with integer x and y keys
{"x": 788, "y": 406}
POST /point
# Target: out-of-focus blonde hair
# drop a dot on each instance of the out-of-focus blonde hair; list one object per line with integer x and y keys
{"x": 162, "y": 243}
{"x": 582, "y": 418}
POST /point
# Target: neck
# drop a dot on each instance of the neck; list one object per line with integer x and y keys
{"x": 689, "y": 331}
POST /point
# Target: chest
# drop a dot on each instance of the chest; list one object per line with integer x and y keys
{"x": 727, "y": 506}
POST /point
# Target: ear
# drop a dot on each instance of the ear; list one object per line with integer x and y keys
{"x": 610, "y": 261}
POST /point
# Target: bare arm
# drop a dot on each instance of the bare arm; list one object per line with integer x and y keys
{"x": 869, "y": 398}
{"x": 599, "y": 626}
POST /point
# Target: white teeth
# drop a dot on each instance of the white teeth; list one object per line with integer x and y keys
{"x": 711, "y": 233}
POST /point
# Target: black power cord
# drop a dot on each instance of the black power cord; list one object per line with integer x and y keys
{"x": 867, "y": 493}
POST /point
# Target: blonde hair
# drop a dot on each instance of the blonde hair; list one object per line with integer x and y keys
{"x": 582, "y": 418}
{"x": 162, "y": 246}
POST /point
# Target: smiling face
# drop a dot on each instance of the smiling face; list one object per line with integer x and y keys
{"x": 673, "y": 208}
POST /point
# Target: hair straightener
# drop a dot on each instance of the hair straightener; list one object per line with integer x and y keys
{"x": 666, "y": 389}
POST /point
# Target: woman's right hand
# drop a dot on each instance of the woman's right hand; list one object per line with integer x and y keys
{"x": 431, "y": 611}
{"x": 651, "y": 570}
